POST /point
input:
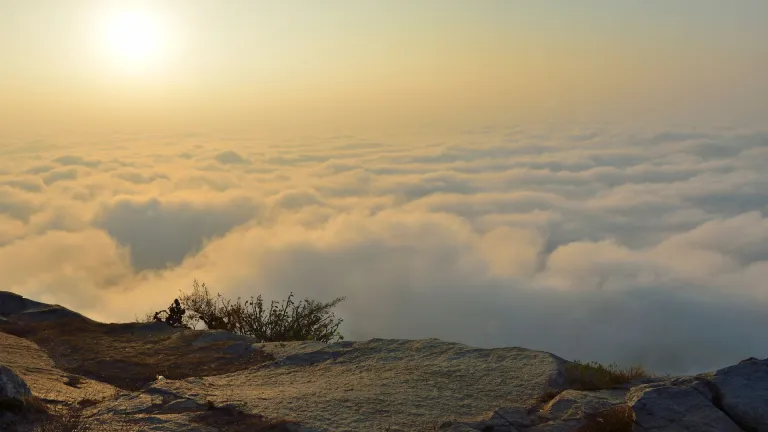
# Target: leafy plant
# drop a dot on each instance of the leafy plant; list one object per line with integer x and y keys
{"x": 277, "y": 322}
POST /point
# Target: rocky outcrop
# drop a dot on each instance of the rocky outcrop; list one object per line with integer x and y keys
{"x": 17, "y": 309}
{"x": 12, "y": 304}
{"x": 12, "y": 386}
{"x": 731, "y": 399}
{"x": 14, "y": 396}
{"x": 678, "y": 404}
{"x": 741, "y": 391}
{"x": 375, "y": 385}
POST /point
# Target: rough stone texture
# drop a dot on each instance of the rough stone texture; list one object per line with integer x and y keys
{"x": 575, "y": 404}
{"x": 681, "y": 404}
{"x": 742, "y": 392}
{"x": 352, "y": 386}
{"x": 566, "y": 412}
{"x": 12, "y": 386}
{"x": 44, "y": 379}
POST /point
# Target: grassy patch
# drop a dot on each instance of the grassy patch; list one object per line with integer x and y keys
{"x": 595, "y": 376}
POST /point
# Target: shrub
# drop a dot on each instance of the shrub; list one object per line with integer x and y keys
{"x": 174, "y": 316}
{"x": 278, "y": 322}
{"x": 595, "y": 376}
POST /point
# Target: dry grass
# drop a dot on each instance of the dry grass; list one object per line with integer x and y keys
{"x": 74, "y": 418}
{"x": 67, "y": 418}
{"x": 620, "y": 418}
{"x": 595, "y": 376}
{"x": 129, "y": 356}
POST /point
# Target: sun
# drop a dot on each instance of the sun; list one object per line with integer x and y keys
{"x": 135, "y": 40}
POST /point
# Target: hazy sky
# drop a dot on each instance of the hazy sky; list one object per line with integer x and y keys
{"x": 244, "y": 64}
{"x": 583, "y": 177}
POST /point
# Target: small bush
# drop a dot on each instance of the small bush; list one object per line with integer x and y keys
{"x": 595, "y": 376}
{"x": 277, "y": 322}
{"x": 174, "y": 316}
{"x": 620, "y": 418}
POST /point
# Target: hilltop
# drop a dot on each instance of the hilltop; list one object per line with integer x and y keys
{"x": 149, "y": 376}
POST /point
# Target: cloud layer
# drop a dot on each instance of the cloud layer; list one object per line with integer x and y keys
{"x": 598, "y": 243}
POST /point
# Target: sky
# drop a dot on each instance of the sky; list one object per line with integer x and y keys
{"x": 585, "y": 178}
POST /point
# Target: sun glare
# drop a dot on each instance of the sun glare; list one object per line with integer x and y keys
{"x": 135, "y": 40}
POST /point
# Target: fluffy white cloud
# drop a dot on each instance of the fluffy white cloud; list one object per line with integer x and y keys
{"x": 595, "y": 243}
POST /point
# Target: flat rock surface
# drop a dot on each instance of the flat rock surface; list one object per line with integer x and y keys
{"x": 44, "y": 379}
{"x": 372, "y": 385}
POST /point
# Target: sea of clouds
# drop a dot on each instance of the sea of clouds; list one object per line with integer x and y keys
{"x": 599, "y": 243}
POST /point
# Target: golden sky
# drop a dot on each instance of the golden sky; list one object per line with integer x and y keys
{"x": 547, "y": 171}
{"x": 169, "y": 64}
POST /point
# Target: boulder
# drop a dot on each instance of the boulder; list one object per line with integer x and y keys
{"x": 742, "y": 392}
{"x": 14, "y": 394}
{"x": 679, "y": 404}
{"x": 12, "y": 386}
